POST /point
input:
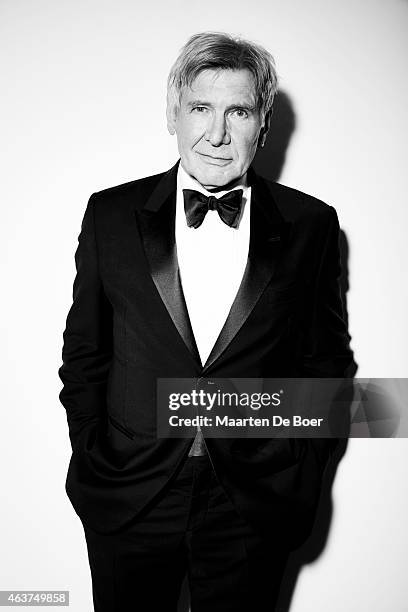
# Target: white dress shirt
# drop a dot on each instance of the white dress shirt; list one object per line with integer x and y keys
{"x": 212, "y": 260}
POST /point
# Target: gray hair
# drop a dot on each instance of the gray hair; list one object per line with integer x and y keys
{"x": 218, "y": 50}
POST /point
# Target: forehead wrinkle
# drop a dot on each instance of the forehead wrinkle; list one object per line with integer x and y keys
{"x": 215, "y": 73}
{"x": 246, "y": 99}
{"x": 206, "y": 92}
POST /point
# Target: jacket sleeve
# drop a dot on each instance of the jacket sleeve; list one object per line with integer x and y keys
{"x": 87, "y": 339}
{"x": 326, "y": 348}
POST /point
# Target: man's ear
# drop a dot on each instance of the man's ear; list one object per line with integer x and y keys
{"x": 171, "y": 113}
{"x": 265, "y": 129}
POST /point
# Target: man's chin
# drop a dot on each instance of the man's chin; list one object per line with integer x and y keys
{"x": 217, "y": 178}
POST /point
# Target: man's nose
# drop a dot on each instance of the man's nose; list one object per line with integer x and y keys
{"x": 217, "y": 131}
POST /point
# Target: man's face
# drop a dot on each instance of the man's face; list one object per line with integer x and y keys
{"x": 217, "y": 126}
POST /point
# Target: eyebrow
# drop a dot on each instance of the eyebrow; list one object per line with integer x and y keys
{"x": 244, "y": 106}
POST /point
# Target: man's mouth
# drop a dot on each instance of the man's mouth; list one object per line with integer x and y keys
{"x": 215, "y": 160}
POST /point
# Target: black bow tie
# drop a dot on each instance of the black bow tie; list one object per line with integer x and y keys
{"x": 197, "y": 204}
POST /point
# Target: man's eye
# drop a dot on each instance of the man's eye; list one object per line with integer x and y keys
{"x": 199, "y": 109}
{"x": 240, "y": 113}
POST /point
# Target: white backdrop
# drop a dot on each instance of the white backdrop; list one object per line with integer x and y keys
{"x": 83, "y": 108}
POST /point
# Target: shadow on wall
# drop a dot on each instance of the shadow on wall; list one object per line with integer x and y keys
{"x": 344, "y": 279}
{"x": 269, "y": 162}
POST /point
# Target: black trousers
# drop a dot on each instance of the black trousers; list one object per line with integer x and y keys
{"x": 192, "y": 527}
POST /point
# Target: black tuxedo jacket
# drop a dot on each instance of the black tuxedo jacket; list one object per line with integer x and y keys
{"x": 129, "y": 325}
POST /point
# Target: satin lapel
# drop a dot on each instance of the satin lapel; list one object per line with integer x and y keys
{"x": 268, "y": 233}
{"x": 157, "y": 228}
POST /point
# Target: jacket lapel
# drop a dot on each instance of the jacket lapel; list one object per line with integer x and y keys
{"x": 157, "y": 229}
{"x": 268, "y": 232}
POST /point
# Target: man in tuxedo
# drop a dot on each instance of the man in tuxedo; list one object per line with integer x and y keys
{"x": 204, "y": 271}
